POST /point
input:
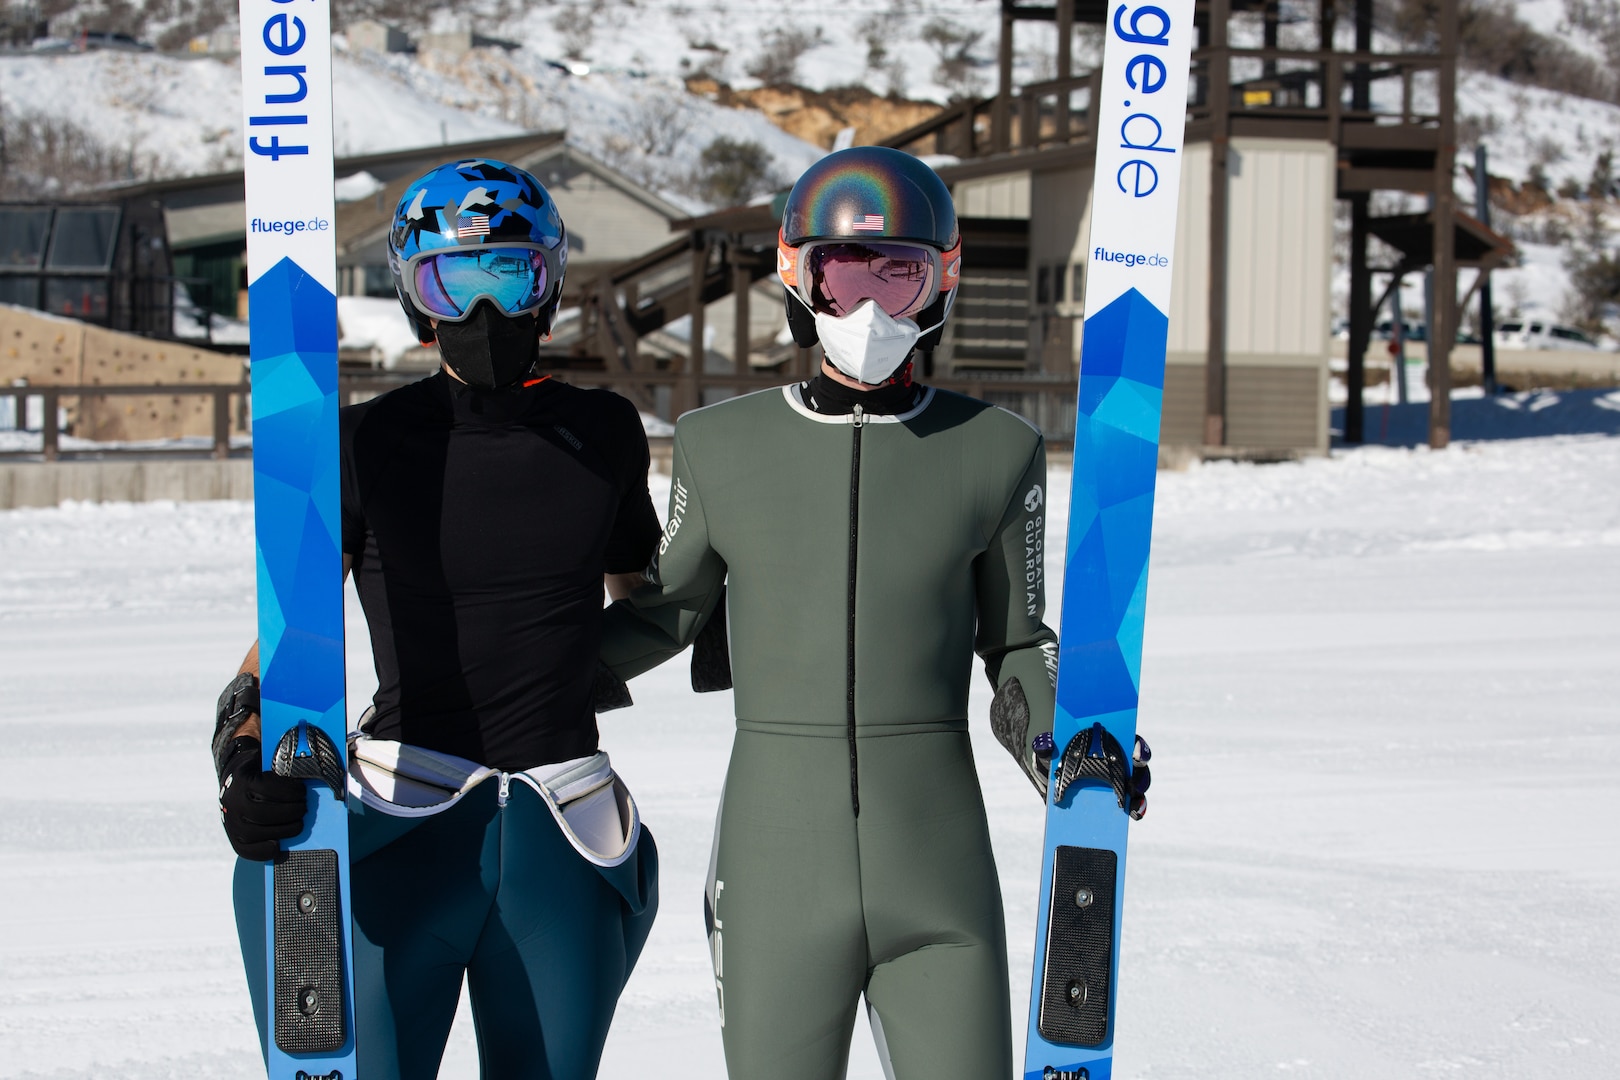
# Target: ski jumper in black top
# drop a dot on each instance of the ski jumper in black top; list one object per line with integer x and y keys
{"x": 480, "y": 524}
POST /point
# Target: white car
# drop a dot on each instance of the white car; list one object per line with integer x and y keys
{"x": 1539, "y": 334}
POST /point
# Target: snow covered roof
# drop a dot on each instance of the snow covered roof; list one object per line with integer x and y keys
{"x": 386, "y": 163}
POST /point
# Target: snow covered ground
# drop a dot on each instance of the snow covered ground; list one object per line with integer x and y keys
{"x": 1382, "y": 840}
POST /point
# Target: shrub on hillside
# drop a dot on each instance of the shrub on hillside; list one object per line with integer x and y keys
{"x": 732, "y": 171}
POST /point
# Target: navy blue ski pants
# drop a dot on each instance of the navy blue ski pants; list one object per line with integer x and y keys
{"x": 545, "y": 938}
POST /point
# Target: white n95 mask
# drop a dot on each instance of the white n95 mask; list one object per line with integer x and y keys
{"x": 868, "y": 344}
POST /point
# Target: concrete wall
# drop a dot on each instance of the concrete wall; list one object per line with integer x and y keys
{"x": 35, "y": 483}
{"x": 46, "y": 350}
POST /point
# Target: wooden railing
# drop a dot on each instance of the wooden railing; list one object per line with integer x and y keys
{"x": 1306, "y": 84}
{"x": 1276, "y": 83}
{"x": 50, "y": 398}
{"x": 1044, "y": 114}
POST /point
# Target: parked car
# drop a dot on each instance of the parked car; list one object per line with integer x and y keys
{"x": 1542, "y": 334}
{"x": 111, "y": 39}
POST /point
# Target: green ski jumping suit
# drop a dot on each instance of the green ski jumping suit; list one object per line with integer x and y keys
{"x": 864, "y": 559}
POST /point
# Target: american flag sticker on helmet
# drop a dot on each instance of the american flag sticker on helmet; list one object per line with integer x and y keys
{"x": 472, "y": 225}
{"x": 869, "y": 223}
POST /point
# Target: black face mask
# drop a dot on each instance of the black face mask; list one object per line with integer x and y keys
{"x": 488, "y": 350}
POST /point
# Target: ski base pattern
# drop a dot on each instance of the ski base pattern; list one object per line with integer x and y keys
{"x": 1135, "y": 197}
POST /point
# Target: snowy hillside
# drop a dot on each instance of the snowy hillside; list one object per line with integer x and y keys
{"x": 164, "y": 116}
{"x": 173, "y": 116}
{"x": 1382, "y": 837}
{"x": 613, "y": 74}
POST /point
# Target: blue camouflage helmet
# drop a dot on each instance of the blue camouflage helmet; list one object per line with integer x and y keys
{"x": 470, "y": 204}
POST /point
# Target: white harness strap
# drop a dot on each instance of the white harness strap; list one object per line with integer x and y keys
{"x": 591, "y": 805}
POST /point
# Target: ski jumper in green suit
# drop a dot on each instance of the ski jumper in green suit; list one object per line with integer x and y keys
{"x": 864, "y": 560}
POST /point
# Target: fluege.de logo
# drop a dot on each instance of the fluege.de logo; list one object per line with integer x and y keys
{"x": 1130, "y": 258}
{"x": 289, "y": 226}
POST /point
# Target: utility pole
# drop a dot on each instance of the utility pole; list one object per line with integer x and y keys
{"x": 1220, "y": 95}
{"x": 1444, "y": 332}
{"x": 1487, "y": 315}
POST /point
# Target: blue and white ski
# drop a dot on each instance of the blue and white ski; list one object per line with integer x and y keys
{"x": 1142, "y": 120}
{"x": 292, "y": 303}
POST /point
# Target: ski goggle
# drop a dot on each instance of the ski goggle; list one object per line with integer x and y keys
{"x": 834, "y": 277}
{"x": 516, "y": 278}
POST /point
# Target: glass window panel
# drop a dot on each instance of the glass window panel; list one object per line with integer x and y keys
{"x": 83, "y": 238}
{"x": 79, "y": 298}
{"x": 379, "y": 281}
{"x": 22, "y": 236}
{"x": 20, "y": 290}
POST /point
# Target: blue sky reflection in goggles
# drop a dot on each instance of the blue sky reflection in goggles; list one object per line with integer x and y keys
{"x": 447, "y": 284}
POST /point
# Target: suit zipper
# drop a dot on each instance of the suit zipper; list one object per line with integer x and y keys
{"x": 858, "y": 420}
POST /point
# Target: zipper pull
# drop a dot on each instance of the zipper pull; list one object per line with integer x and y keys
{"x": 504, "y": 790}
{"x": 860, "y": 415}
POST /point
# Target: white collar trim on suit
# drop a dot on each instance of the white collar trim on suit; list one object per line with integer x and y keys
{"x": 796, "y": 401}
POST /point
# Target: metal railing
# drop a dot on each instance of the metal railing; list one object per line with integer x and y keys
{"x": 1046, "y": 400}
{"x": 50, "y": 427}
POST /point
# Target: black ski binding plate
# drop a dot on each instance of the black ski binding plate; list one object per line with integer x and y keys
{"x": 306, "y": 752}
{"x": 309, "y": 953}
{"x": 1075, "y": 985}
{"x": 1094, "y": 755}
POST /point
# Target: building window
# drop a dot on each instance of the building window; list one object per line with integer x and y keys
{"x": 83, "y": 239}
{"x": 58, "y": 259}
{"x": 77, "y": 298}
{"x": 378, "y": 281}
{"x": 22, "y": 237}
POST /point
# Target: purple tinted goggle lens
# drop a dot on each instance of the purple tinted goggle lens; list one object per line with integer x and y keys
{"x": 446, "y": 284}
{"x": 838, "y": 276}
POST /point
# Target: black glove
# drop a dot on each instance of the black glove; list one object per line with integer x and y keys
{"x": 258, "y": 808}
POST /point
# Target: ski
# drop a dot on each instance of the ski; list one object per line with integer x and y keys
{"x": 292, "y": 304}
{"x": 1137, "y": 178}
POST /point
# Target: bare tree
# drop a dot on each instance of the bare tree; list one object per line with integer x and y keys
{"x": 778, "y": 63}
{"x": 953, "y": 44}
{"x": 50, "y": 156}
{"x": 658, "y": 122}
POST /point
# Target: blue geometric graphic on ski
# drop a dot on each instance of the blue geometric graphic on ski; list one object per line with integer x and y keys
{"x": 292, "y": 306}
{"x": 1135, "y": 195}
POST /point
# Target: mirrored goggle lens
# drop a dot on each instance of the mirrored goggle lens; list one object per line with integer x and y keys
{"x": 896, "y": 277}
{"x": 448, "y": 283}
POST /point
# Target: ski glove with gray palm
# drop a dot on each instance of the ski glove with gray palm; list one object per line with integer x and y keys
{"x": 1092, "y": 754}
